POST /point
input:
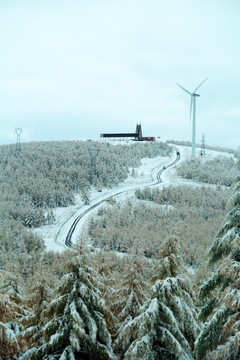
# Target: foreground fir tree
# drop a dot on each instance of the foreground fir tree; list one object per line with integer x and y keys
{"x": 130, "y": 297}
{"x": 11, "y": 312}
{"x": 75, "y": 327}
{"x": 167, "y": 326}
{"x": 106, "y": 265}
{"x": 220, "y": 338}
{"x": 37, "y": 299}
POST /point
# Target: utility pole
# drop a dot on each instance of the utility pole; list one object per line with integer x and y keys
{"x": 202, "y": 153}
{"x": 18, "y": 131}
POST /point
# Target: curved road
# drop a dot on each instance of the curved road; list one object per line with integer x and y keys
{"x": 68, "y": 240}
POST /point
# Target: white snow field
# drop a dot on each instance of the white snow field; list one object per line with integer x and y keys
{"x": 54, "y": 235}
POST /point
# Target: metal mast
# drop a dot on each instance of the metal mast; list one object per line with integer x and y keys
{"x": 18, "y": 131}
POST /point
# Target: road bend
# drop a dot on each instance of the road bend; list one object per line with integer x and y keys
{"x": 68, "y": 240}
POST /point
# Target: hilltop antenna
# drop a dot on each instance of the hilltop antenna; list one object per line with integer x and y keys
{"x": 18, "y": 131}
{"x": 193, "y": 113}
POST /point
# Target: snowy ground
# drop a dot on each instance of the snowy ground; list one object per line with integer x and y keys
{"x": 55, "y": 235}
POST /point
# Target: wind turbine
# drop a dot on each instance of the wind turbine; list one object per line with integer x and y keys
{"x": 193, "y": 113}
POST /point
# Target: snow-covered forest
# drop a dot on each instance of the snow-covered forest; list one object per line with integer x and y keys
{"x": 152, "y": 276}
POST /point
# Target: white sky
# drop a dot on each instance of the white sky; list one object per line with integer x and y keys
{"x": 72, "y": 69}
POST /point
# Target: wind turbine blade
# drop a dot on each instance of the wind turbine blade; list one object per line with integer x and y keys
{"x": 184, "y": 89}
{"x": 200, "y": 84}
{"x": 191, "y": 106}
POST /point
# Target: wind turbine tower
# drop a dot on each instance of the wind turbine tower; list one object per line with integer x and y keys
{"x": 193, "y": 113}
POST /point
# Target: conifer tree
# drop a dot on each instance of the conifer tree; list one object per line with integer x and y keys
{"x": 102, "y": 261}
{"x": 220, "y": 338}
{"x": 167, "y": 325}
{"x": 130, "y": 297}
{"x": 107, "y": 265}
{"x": 75, "y": 327}
{"x": 37, "y": 298}
{"x": 11, "y": 311}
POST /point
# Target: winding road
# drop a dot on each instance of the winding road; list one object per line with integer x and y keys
{"x": 68, "y": 240}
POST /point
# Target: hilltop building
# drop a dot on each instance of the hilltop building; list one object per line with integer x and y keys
{"x": 137, "y": 136}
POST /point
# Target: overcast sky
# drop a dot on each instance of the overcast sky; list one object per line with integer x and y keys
{"x": 72, "y": 69}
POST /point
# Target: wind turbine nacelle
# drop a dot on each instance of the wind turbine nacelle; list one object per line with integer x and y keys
{"x": 196, "y": 95}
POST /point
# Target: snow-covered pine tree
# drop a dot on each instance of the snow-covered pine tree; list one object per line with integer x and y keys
{"x": 220, "y": 338}
{"x": 130, "y": 297}
{"x": 102, "y": 261}
{"x": 167, "y": 325}
{"x": 11, "y": 311}
{"x": 37, "y": 298}
{"x": 75, "y": 327}
{"x": 105, "y": 263}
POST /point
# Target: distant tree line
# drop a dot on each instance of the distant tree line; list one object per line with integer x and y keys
{"x": 208, "y": 147}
